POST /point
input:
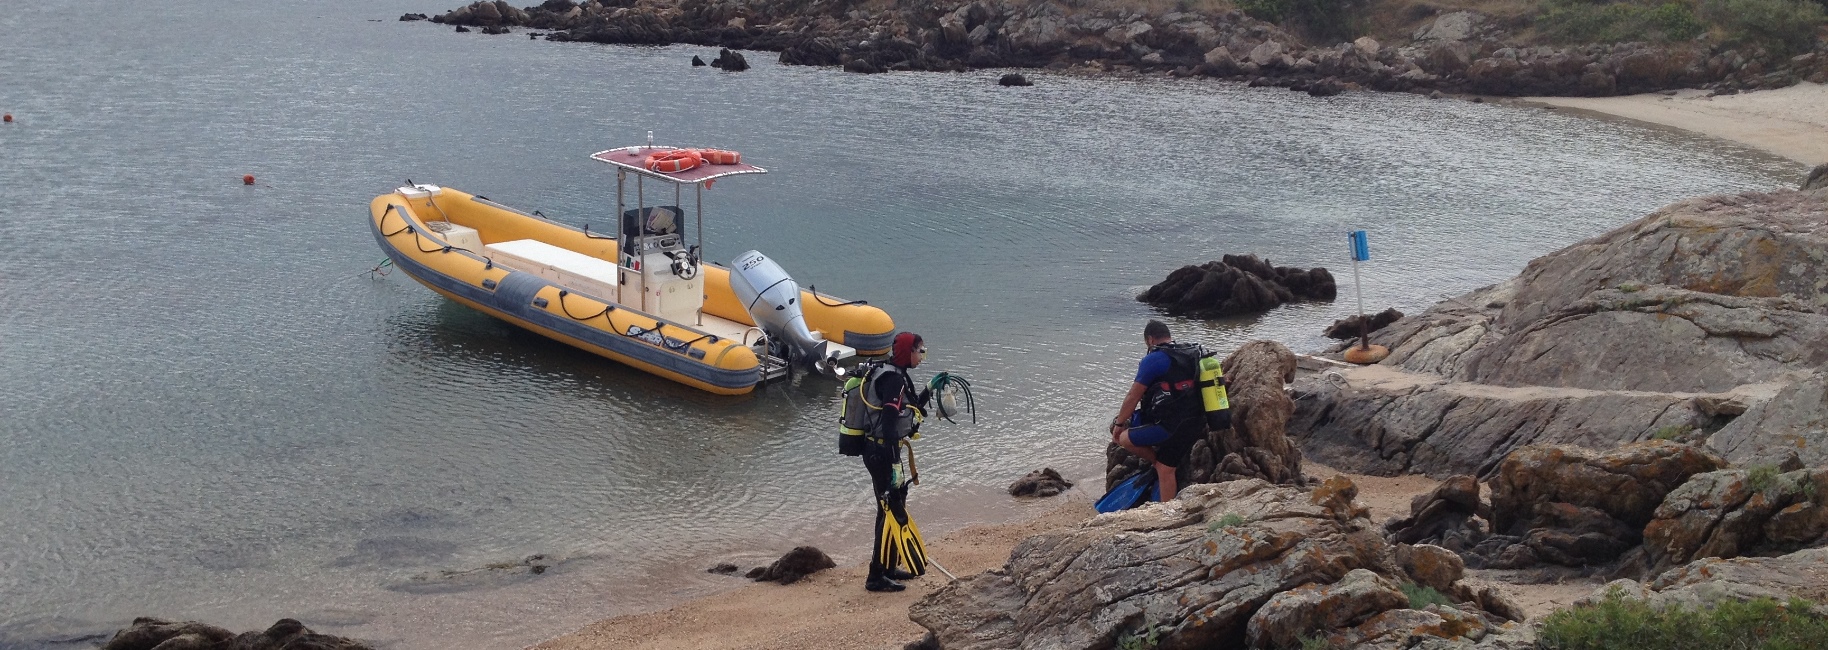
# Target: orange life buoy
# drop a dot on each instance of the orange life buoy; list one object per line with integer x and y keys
{"x": 673, "y": 161}
{"x": 720, "y": 157}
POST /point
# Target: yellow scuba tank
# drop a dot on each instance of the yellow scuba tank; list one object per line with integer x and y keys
{"x": 1212, "y": 393}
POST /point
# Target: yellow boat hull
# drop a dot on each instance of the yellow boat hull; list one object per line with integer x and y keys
{"x": 596, "y": 324}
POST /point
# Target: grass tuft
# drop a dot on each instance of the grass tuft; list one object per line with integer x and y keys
{"x": 1420, "y": 596}
{"x": 1145, "y": 639}
{"x": 1761, "y": 477}
{"x": 1620, "y": 623}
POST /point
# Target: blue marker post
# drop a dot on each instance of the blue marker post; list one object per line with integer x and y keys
{"x": 1361, "y": 251}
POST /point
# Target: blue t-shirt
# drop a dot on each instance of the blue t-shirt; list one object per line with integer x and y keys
{"x": 1154, "y": 364}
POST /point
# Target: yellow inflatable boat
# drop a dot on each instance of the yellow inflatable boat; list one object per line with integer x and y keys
{"x": 639, "y": 296}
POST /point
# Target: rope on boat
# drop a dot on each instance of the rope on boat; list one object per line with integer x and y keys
{"x": 815, "y": 296}
{"x": 637, "y": 329}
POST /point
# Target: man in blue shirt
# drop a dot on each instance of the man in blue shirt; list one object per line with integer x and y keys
{"x": 1171, "y": 420}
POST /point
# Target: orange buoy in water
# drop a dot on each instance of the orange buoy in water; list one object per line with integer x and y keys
{"x": 247, "y": 179}
{"x": 9, "y": 118}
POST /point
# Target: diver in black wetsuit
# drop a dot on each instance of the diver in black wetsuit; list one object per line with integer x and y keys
{"x": 894, "y": 390}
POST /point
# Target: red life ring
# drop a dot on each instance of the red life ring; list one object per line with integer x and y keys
{"x": 720, "y": 157}
{"x": 674, "y": 161}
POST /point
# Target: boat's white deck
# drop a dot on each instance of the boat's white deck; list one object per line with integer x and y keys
{"x": 598, "y": 278}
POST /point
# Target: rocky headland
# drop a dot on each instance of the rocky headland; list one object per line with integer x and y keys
{"x": 1418, "y": 48}
{"x": 1705, "y": 322}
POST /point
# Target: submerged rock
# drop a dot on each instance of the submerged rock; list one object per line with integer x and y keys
{"x": 286, "y": 634}
{"x": 1043, "y": 482}
{"x": 1348, "y": 328}
{"x": 1237, "y": 284}
{"x": 729, "y": 61}
{"x": 797, "y": 563}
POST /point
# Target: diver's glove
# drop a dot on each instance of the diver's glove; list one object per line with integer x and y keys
{"x": 921, "y": 398}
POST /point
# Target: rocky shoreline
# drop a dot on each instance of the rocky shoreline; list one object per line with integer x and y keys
{"x": 1459, "y": 52}
{"x": 1644, "y": 406}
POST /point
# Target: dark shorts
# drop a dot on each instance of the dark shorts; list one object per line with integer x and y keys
{"x": 1171, "y": 444}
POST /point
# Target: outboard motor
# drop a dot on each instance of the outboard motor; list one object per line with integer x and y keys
{"x": 773, "y": 299}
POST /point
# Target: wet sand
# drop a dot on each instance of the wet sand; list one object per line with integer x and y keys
{"x": 1790, "y": 122}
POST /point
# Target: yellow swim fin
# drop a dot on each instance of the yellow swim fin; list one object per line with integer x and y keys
{"x": 913, "y": 548}
{"x": 901, "y": 543}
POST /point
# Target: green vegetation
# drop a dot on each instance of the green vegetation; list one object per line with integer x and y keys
{"x": 1761, "y": 477}
{"x": 1672, "y": 432}
{"x": 1783, "y": 26}
{"x": 1581, "y": 21}
{"x": 1420, "y": 596}
{"x": 1230, "y": 519}
{"x": 1619, "y": 623}
{"x": 1315, "y": 643}
{"x": 1144, "y": 639}
{"x": 1630, "y": 287}
{"x": 1336, "y": 20}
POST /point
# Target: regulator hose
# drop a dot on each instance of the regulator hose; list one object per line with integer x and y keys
{"x": 944, "y": 385}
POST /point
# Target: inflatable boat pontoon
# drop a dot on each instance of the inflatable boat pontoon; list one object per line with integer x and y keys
{"x": 640, "y": 296}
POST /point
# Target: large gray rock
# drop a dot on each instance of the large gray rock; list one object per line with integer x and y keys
{"x": 1572, "y": 507}
{"x": 1238, "y": 564}
{"x": 1689, "y": 322}
{"x": 1169, "y": 566}
{"x": 1257, "y": 444}
{"x": 1792, "y": 420}
{"x": 1455, "y": 26}
{"x": 1450, "y": 516}
{"x": 1709, "y": 581}
{"x": 1818, "y": 178}
{"x": 1728, "y": 513}
{"x": 1297, "y": 613}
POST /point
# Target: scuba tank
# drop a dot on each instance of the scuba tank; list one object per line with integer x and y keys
{"x": 1212, "y": 392}
{"x": 856, "y": 416}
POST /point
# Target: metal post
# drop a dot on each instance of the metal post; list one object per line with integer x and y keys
{"x": 1364, "y": 324}
{"x": 698, "y": 198}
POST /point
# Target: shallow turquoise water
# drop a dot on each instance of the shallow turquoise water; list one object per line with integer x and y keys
{"x": 207, "y": 412}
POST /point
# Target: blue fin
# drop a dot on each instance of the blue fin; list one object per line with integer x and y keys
{"x": 1129, "y": 493}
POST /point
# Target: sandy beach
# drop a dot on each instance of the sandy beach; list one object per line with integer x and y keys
{"x": 1790, "y": 122}
{"x": 830, "y": 610}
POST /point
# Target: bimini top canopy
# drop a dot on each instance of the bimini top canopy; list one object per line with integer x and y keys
{"x": 635, "y": 159}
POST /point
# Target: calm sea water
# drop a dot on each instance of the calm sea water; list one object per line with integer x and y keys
{"x": 208, "y": 412}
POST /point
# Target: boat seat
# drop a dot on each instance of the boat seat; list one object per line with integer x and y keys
{"x": 651, "y": 221}
{"x": 573, "y": 270}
